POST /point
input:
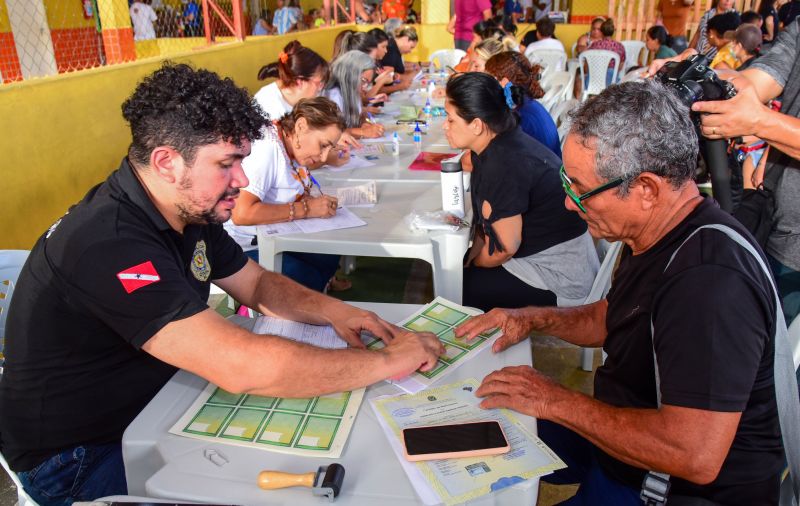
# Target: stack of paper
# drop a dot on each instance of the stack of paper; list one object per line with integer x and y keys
{"x": 459, "y": 480}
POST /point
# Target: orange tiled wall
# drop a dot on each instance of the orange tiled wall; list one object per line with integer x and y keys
{"x": 585, "y": 19}
{"x": 76, "y": 48}
{"x": 9, "y": 62}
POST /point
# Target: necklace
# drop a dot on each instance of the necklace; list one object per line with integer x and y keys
{"x": 299, "y": 172}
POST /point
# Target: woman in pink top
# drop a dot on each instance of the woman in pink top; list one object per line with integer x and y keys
{"x": 467, "y": 13}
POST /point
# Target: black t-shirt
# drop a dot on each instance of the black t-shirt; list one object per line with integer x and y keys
{"x": 393, "y": 58}
{"x": 517, "y": 174}
{"x": 713, "y": 314}
{"x": 97, "y": 285}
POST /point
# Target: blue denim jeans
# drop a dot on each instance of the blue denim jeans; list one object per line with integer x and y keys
{"x": 595, "y": 487}
{"x": 83, "y": 473}
{"x": 312, "y": 270}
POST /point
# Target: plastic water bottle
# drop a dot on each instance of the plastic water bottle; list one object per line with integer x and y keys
{"x": 453, "y": 186}
{"x": 395, "y": 144}
{"x": 417, "y": 138}
{"x": 427, "y": 110}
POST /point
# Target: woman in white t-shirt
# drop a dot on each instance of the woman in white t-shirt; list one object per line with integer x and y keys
{"x": 300, "y": 72}
{"x": 280, "y": 185}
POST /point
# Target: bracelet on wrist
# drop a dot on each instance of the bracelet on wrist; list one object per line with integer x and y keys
{"x": 291, "y": 211}
{"x": 305, "y": 208}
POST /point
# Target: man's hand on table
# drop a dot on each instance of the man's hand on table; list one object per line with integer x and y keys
{"x": 410, "y": 351}
{"x": 351, "y": 321}
{"x": 512, "y": 322}
{"x": 520, "y": 388}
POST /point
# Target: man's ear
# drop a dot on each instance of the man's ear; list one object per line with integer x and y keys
{"x": 649, "y": 187}
{"x": 166, "y": 163}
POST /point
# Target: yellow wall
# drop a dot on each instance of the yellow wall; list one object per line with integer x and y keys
{"x": 49, "y": 160}
{"x": 66, "y": 14}
{"x": 60, "y": 135}
{"x": 589, "y": 7}
{"x": 5, "y": 25}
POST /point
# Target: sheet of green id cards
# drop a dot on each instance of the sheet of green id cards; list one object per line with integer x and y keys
{"x": 441, "y": 317}
{"x": 317, "y": 426}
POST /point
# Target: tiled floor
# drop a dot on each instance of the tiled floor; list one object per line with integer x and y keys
{"x": 381, "y": 280}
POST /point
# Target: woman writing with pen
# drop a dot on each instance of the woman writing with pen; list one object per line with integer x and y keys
{"x": 281, "y": 188}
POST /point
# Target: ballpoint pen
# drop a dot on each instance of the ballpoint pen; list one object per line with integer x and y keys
{"x": 314, "y": 181}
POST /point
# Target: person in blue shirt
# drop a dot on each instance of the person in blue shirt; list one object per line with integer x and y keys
{"x": 510, "y": 67}
{"x": 191, "y": 19}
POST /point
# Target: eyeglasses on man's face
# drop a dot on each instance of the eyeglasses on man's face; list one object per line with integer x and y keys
{"x": 566, "y": 182}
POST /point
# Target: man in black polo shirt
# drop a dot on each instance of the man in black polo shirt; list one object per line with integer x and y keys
{"x": 628, "y": 165}
{"x": 112, "y": 300}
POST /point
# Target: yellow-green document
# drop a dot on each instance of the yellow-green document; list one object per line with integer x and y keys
{"x": 440, "y": 317}
{"x": 316, "y": 427}
{"x": 458, "y": 480}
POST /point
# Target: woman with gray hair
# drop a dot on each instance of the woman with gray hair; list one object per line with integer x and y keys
{"x": 351, "y": 76}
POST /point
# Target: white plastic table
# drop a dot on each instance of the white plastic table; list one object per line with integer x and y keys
{"x": 162, "y": 465}
{"x": 386, "y": 234}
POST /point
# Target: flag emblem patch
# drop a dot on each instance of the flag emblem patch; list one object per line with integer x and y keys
{"x": 138, "y": 276}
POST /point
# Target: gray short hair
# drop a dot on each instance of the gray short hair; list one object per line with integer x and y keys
{"x": 638, "y": 127}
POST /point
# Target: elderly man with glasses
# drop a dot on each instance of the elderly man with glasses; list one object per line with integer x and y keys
{"x": 687, "y": 387}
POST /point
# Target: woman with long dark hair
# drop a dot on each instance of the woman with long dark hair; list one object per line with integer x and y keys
{"x": 512, "y": 67}
{"x": 527, "y": 248}
{"x": 300, "y": 72}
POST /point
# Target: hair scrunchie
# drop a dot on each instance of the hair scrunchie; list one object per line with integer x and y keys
{"x": 509, "y": 99}
{"x": 283, "y": 57}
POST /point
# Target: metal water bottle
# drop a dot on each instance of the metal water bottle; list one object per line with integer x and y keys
{"x": 453, "y": 186}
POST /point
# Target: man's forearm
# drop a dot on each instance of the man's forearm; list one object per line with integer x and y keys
{"x": 639, "y": 437}
{"x": 781, "y": 131}
{"x": 279, "y": 296}
{"x": 581, "y": 325}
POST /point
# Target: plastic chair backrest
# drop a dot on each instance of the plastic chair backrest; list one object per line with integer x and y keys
{"x": 634, "y": 48}
{"x": 11, "y": 262}
{"x": 597, "y": 61}
{"x": 446, "y": 57}
{"x": 560, "y": 111}
{"x": 550, "y": 59}
{"x": 555, "y": 93}
{"x": 23, "y": 499}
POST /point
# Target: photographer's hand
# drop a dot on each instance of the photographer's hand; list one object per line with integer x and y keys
{"x": 738, "y": 116}
{"x": 746, "y": 113}
{"x": 657, "y": 64}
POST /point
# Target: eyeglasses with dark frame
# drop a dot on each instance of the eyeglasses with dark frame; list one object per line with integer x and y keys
{"x": 566, "y": 182}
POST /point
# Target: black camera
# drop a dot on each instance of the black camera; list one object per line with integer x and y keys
{"x": 693, "y": 80}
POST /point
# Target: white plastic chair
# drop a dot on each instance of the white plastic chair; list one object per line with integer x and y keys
{"x": 551, "y": 60}
{"x": 557, "y": 90}
{"x": 597, "y": 61}
{"x": 446, "y": 57}
{"x": 608, "y": 253}
{"x": 560, "y": 112}
{"x": 11, "y": 262}
{"x": 633, "y": 49}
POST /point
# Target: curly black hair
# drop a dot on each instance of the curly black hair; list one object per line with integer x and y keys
{"x": 185, "y": 108}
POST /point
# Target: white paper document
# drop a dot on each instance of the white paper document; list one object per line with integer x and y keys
{"x": 458, "y": 480}
{"x": 355, "y": 162}
{"x": 322, "y": 336}
{"x": 344, "y": 219}
{"x": 363, "y": 195}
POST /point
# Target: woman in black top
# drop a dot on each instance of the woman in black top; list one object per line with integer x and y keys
{"x": 769, "y": 27}
{"x": 527, "y": 248}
